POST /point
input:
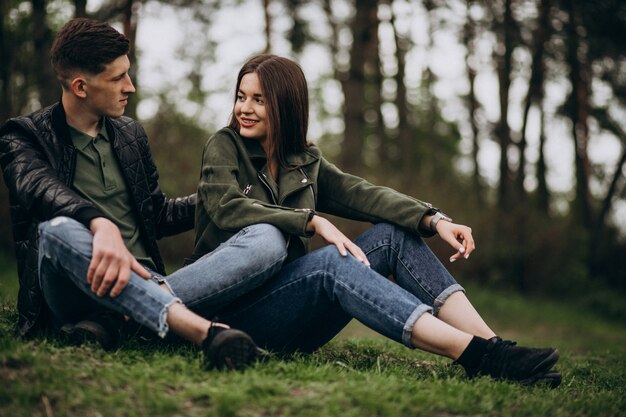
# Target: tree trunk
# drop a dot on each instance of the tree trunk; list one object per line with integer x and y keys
{"x": 6, "y": 57}
{"x": 504, "y": 132}
{"x": 80, "y": 8}
{"x": 534, "y": 96}
{"x": 354, "y": 88}
{"x": 402, "y": 105}
{"x": 579, "y": 113}
{"x": 129, "y": 24}
{"x": 472, "y": 102}
{"x": 374, "y": 79}
{"x": 607, "y": 202}
{"x": 268, "y": 25}
{"x": 543, "y": 194}
{"x": 47, "y": 84}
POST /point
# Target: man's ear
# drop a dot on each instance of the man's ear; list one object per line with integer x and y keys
{"x": 78, "y": 86}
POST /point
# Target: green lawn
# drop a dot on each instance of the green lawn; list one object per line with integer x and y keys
{"x": 358, "y": 374}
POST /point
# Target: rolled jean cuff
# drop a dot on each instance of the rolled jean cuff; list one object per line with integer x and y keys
{"x": 441, "y": 298}
{"x": 163, "y": 328}
{"x": 407, "y": 331}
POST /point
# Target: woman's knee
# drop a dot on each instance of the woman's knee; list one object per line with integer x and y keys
{"x": 271, "y": 239}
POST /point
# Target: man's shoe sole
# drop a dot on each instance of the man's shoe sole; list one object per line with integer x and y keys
{"x": 232, "y": 350}
{"x": 88, "y": 331}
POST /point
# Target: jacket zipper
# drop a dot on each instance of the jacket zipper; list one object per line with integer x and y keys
{"x": 264, "y": 181}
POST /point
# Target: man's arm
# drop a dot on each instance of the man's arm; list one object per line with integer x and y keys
{"x": 33, "y": 183}
{"x": 37, "y": 188}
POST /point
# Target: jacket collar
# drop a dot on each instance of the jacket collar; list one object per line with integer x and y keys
{"x": 59, "y": 123}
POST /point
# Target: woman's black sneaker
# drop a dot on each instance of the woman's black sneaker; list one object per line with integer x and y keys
{"x": 229, "y": 349}
{"x": 505, "y": 360}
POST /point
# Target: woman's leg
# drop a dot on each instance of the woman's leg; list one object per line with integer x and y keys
{"x": 395, "y": 252}
{"x": 236, "y": 267}
{"x": 313, "y": 298}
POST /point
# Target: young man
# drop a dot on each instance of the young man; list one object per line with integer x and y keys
{"x": 87, "y": 209}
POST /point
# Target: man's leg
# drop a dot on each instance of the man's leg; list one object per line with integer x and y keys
{"x": 236, "y": 267}
{"x": 64, "y": 255}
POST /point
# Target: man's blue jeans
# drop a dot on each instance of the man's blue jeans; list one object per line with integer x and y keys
{"x": 237, "y": 266}
{"x": 311, "y": 299}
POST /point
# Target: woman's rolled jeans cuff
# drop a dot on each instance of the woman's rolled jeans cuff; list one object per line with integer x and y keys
{"x": 407, "y": 331}
{"x": 443, "y": 297}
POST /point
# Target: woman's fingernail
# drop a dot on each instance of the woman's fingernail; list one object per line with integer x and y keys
{"x": 466, "y": 256}
{"x": 452, "y": 259}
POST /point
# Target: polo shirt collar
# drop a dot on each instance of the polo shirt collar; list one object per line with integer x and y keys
{"x": 81, "y": 140}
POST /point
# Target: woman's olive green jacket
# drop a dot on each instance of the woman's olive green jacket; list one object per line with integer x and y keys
{"x": 236, "y": 191}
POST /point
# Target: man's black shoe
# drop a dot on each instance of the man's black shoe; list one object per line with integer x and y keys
{"x": 528, "y": 366}
{"x": 101, "y": 328}
{"x": 229, "y": 349}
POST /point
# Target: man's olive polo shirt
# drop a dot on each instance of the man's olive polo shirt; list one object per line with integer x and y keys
{"x": 98, "y": 178}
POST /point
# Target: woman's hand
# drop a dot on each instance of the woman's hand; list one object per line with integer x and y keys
{"x": 458, "y": 236}
{"x": 331, "y": 234}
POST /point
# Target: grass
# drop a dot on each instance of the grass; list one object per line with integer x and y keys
{"x": 357, "y": 374}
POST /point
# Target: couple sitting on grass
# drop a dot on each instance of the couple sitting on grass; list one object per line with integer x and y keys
{"x": 87, "y": 211}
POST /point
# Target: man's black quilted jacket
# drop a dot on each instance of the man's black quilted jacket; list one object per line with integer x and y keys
{"x": 38, "y": 160}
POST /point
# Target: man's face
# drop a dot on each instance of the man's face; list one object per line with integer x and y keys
{"x": 108, "y": 91}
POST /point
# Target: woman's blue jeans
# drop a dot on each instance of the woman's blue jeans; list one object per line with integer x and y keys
{"x": 311, "y": 299}
{"x": 237, "y": 266}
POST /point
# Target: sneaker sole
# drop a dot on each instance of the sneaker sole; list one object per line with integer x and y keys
{"x": 234, "y": 351}
{"x": 88, "y": 332}
{"x": 551, "y": 378}
{"x": 544, "y": 366}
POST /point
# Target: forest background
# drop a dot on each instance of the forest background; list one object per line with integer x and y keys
{"x": 507, "y": 114}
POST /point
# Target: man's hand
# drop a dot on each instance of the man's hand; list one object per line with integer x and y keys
{"x": 111, "y": 263}
{"x": 331, "y": 234}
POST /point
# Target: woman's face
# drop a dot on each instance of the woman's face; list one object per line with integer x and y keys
{"x": 250, "y": 108}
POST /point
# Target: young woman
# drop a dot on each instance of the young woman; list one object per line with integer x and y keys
{"x": 261, "y": 169}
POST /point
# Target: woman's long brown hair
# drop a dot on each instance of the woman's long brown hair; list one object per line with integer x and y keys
{"x": 286, "y": 96}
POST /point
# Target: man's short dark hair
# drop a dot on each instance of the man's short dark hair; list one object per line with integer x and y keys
{"x": 86, "y": 45}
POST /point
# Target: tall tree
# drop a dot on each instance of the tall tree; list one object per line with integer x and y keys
{"x": 469, "y": 34}
{"x": 354, "y": 86}
{"x": 47, "y": 85}
{"x": 579, "y": 109}
{"x": 268, "y": 25}
{"x": 534, "y": 95}
{"x": 6, "y": 57}
{"x": 505, "y": 28}
{"x": 402, "y": 44}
